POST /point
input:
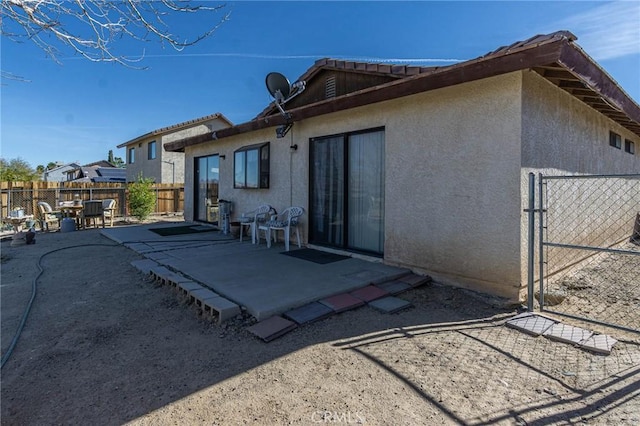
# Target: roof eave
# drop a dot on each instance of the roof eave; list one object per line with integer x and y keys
{"x": 176, "y": 128}
{"x": 558, "y": 51}
{"x": 455, "y": 74}
{"x": 616, "y": 101}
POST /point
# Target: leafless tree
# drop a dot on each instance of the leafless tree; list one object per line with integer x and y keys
{"x": 91, "y": 28}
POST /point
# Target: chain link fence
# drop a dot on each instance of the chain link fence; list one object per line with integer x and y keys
{"x": 590, "y": 248}
{"x": 169, "y": 198}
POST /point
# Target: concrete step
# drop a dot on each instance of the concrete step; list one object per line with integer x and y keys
{"x": 158, "y": 273}
{"x": 144, "y": 265}
{"x": 224, "y": 308}
{"x": 187, "y": 287}
{"x": 197, "y": 296}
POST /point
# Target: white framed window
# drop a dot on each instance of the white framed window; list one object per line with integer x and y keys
{"x": 151, "y": 150}
{"x": 251, "y": 166}
{"x": 132, "y": 156}
{"x": 629, "y": 146}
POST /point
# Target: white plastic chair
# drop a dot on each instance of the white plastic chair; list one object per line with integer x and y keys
{"x": 253, "y": 218}
{"x": 109, "y": 210}
{"x": 285, "y": 222}
{"x": 48, "y": 215}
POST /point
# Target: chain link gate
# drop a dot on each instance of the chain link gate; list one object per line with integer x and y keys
{"x": 588, "y": 248}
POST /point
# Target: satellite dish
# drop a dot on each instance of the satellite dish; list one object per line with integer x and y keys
{"x": 282, "y": 91}
{"x": 278, "y": 86}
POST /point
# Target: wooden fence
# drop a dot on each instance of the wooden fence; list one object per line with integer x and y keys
{"x": 26, "y": 195}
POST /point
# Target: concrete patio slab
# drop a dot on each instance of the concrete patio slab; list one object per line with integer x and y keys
{"x": 390, "y": 304}
{"x": 201, "y": 294}
{"x": 314, "y": 311}
{"x": 342, "y": 302}
{"x": 188, "y": 287}
{"x": 530, "y": 323}
{"x": 272, "y": 328}
{"x": 144, "y": 265}
{"x": 600, "y": 343}
{"x": 157, "y": 256}
{"x": 175, "y": 279}
{"x": 225, "y": 309}
{"x": 159, "y": 273}
{"x": 369, "y": 293}
{"x": 567, "y": 333}
{"x": 258, "y": 278}
{"x": 415, "y": 280}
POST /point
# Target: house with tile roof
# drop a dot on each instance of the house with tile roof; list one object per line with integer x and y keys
{"x": 425, "y": 167}
{"x": 146, "y": 154}
{"x": 99, "y": 171}
{"x": 59, "y": 173}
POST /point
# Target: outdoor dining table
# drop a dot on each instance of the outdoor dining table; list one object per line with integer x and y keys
{"x": 72, "y": 210}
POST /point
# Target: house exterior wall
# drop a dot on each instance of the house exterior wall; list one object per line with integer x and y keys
{"x": 59, "y": 174}
{"x": 563, "y": 136}
{"x": 278, "y": 193}
{"x": 460, "y": 191}
{"x": 452, "y": 175}
{"x": 142, "y": 165}
{"x": 167, "y": 167}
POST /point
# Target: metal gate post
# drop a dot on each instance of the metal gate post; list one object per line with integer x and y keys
{"x": 530, "y": 242}
{"x": 541, "y": 241}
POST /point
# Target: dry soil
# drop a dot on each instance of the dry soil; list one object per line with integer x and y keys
{"x": 105, "y": 345}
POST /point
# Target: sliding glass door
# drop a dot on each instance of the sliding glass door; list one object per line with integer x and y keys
{"x": 347, "y": 191}
{"x": 327, "y": 191}
{"x": 207, "y": 177}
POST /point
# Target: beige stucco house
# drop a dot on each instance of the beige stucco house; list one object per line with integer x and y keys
{"x": 422, "y": 167}
{"x": 146, "y": 154}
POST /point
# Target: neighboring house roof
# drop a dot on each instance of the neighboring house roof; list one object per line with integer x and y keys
{"x": 63, "y": 166}
{"x": 176, "y": 127}
{"x": 554, "y": 56}
{"x": 110, "y": 174}
{"x": 100, "y": 171}
{"x": 100, "y": 163}
{"x": 59, "y": 171}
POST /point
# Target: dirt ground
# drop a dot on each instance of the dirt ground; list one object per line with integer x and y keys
{"x": 105, "y": 345}
{"x": 604, "y": 287}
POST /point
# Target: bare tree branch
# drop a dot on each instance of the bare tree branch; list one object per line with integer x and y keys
{"x": 92, "y": 28}
{"x": 4, "y": 75}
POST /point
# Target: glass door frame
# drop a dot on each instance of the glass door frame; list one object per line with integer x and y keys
{"x": 209, "y": 204}
{"x": 344, "y": 238}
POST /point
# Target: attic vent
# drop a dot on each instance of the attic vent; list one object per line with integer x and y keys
{"x": 330, "y": 87}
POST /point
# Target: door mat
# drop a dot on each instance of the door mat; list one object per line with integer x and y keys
{"x": 316, "y": 256}
{"x": 181, "y": 230}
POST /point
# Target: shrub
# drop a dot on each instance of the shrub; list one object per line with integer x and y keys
{"x": 142, "y": 198}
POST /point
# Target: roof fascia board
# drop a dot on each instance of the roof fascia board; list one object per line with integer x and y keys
{"x": 583, "y": 67}
{"x": 176, "y": 128}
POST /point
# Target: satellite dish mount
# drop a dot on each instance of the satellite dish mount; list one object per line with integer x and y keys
{"x": 282, "y": 92}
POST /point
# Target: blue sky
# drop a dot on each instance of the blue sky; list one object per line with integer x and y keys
{"x": 80, "y": 110}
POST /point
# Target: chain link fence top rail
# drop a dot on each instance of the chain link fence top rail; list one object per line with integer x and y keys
{"x": 591, "y": 249}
